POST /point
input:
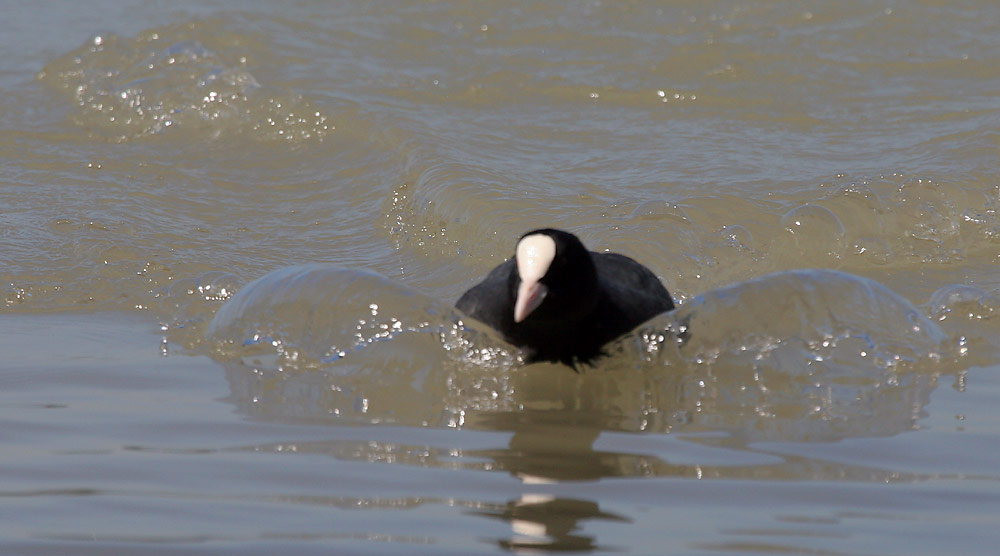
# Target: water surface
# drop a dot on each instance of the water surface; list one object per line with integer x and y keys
{"x": 231, "y": 235}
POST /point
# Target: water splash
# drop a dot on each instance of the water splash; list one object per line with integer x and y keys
{"x": 127, "y": 88}
{"x": 807, "y": 355}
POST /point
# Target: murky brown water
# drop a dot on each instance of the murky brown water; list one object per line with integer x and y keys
{"x": 231, "y": 235}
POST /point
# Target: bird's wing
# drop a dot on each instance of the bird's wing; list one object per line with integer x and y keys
{"x": 631, "y": 286}
{"x": 487, "y": 301}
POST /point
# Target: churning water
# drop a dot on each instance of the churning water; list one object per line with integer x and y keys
{"x": 231, "y": 236}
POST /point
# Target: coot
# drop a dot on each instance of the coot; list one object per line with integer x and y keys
{"x": 559, "y": 302}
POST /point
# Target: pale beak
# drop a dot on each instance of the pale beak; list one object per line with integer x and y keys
{"x": 530, "y": 295}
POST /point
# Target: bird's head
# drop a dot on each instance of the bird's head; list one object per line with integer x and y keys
{"x": 555, "y": 275}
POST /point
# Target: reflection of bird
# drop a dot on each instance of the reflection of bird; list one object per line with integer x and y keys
{"x": 544, "y": 523}
{"x": 559, "y": 302}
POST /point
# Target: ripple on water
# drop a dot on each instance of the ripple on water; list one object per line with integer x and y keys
{"x": 799, "y": 355}
{"x": 816, "y": 227}
{"x": 804, "y": 355}
{"x": 969, "y": 314}
{"x": 357, "y": 345}
{"x": 126, "y": 88}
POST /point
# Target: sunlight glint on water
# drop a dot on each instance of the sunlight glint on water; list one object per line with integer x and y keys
{"x": 231, "y": 236}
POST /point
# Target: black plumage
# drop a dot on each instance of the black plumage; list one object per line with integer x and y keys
{"x": 585, "y": 299}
